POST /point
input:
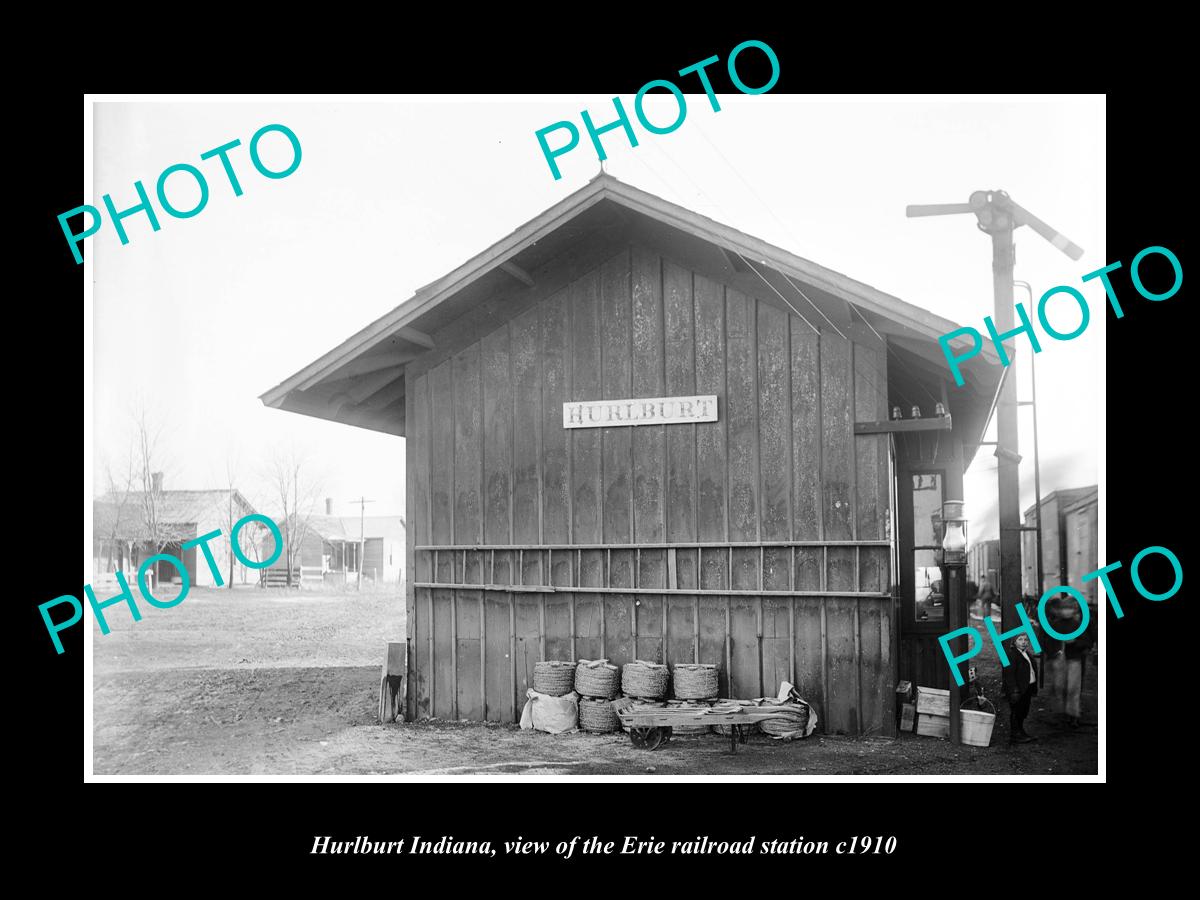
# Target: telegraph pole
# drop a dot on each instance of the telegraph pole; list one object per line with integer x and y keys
{"x": 997, "y": 216}
{"x": 999, "y": 225}
{"x": 362, "y": 544}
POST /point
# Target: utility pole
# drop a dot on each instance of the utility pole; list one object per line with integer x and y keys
{"x": 1039, "y": 579}
{"x": 1008, "y": 477}
{"x": 997, "y": 216}
{"x": 362, "y": 544}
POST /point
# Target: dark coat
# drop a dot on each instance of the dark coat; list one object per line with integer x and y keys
{"x": 1016, "y": 674}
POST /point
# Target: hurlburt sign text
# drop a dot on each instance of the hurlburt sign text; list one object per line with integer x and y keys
{"x": 646, "y": 411}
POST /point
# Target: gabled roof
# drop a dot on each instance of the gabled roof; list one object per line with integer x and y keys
{"x": 361, "y": 381}
{"x": 1068, "y": 499}
{"x": 178, "y": 512}
{"x": 347, "y": 528}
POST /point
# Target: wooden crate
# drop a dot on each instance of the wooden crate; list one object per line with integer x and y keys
{"x": 933, "y": 725}
{"x": 908, "y": 717}
{"x": 934, "y": 701}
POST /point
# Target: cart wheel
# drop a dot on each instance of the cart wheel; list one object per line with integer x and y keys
{"x": 646, "y": 737}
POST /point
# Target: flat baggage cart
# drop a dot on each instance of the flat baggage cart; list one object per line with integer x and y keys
{"x": 649, "y": 728}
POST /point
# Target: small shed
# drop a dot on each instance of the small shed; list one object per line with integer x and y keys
{"x": 635, "y": 433}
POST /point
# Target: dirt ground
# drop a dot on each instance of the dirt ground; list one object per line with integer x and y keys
{"x": 260, "y": 683}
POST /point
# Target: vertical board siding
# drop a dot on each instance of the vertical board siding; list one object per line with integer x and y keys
{"x": 710, "y": 436}
{"x": 468, "y": 529}
{"x": 616, "y": 314}
{"x": 871, "y": 461}
{"x": 499, "y": 497}
{"x": 679, "y": 369}
{"x": 649, "y": 456}
{"x": 556, "y": 506}
{"x": 491, "y": 464}
{"x": 419, "y": 532}
{"x": 774, "y": 423}
{"x": 712, "y": 519}
{"x": 441, "y": 480}
{"x": 585, "y": 443}
{"x": 648, "y": 440}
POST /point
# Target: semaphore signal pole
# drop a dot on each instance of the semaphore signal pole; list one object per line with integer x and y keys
{"x": 997, "y": 216}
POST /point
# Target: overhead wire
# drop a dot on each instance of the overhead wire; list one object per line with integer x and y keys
{"x": 859, "y": 370}
{"x": 733, "y": 250}
{"x": 887, "y": 347}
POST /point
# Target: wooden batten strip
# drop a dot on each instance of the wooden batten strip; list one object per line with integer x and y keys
{"x": 751, "y": 545}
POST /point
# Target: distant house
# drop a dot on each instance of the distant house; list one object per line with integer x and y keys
{"x": 337, "y": 544}
{"x": 122, "y": 537}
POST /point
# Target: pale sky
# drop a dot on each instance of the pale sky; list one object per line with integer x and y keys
{"x": 206, "y": 314}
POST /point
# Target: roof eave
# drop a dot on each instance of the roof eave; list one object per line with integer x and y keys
{"x": 399, "y": 322}
{"x": 429, "y": 296}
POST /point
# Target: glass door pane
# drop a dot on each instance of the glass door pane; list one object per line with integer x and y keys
{"x": 927, "y": 588}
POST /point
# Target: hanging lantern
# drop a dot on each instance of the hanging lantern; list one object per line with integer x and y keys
{"x": 954, "y": 541}
{"x": 897, "y": 413}
{"x": 916, "y": 412}
{"x": 940, "y": 410}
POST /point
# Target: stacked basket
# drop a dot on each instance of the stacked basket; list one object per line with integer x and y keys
{"x": 596, "y": 678}
{"x": 644, "y": 680}
{"x": 695, "y": 681}
{"x": 555, "y": 677}
{"x": 597, "y": 716}
{"x": 695, "y": 687}
{"x": 646, "y": 683}
{"x": 596, "y": 683}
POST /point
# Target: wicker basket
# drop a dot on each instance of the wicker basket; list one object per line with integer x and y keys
{"x": 597, "y": 716}
{"x": 688, "y": 729}
{"x": 555, "y": 677}
{"x": 596, "y": 678}
{"x": 644, "y": 679}
{"x": 644, "y": 704}
{"x": 694, "y": 681}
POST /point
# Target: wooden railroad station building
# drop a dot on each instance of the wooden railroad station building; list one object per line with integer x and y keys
{"x": 632, "y": 432}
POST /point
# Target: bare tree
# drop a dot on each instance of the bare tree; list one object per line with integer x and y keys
{"x": 150, "y": 461}
{"x": 120, "y": 484}
{"x": 296, "y": 492}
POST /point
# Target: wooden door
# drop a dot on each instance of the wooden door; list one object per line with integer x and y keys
{"x": 922, "y": 589}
